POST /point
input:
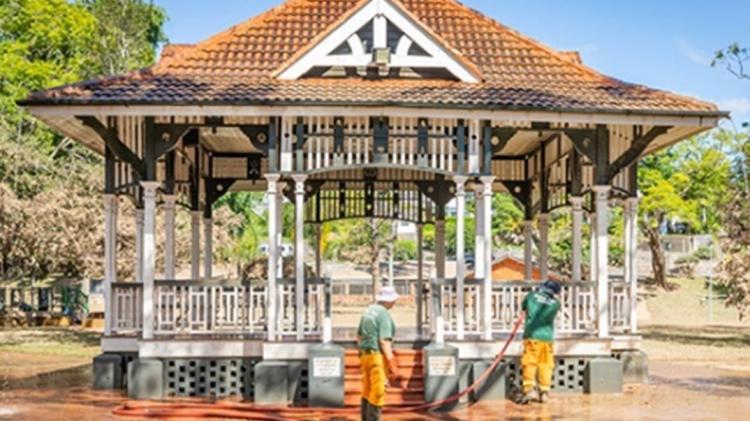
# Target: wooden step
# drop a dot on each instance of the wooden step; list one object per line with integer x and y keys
{"x": 391, "y": 399}
{"x": 407, "y": 372}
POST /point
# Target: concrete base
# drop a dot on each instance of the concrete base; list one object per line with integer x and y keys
{"x": 494, "y": 388}
{"x": 271, "y": 383}
{"x": 146, "y": 379}
{"x": 603, "y": 375}
{"x": 634, "y": 366}
{"x": 326, "y": 376}
{"x": 107, "y": 371}
{"x": 442, "y": 372}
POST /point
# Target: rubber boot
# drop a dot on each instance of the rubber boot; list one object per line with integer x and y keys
{"x": 363, "y": 409}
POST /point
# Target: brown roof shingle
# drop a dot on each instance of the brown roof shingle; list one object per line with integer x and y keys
{"x": 237, "y": 66}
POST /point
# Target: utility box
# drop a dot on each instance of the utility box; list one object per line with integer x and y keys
{"x": 442, "y": 373}
{"x": 494, "y": 388}
{"x": 326, "y": 376}
{"x": 107, "y": 372}
{"x": 146, "y": 379}
{"x": 603, "y": 375}
{"x": 271, "y": 383}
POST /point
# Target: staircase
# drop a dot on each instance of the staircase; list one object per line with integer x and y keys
{"x": 410, "y": 368}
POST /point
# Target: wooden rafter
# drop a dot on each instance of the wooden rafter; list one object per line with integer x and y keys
{"x": 113, "y": 142}
{"x": 631, "y": 155}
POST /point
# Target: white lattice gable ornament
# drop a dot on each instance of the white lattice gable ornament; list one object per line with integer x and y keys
{"x": 377, "y": 26}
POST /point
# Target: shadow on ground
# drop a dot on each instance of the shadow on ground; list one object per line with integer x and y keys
{"x": 719, "y": 336}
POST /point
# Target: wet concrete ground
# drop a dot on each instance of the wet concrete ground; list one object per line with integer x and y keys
{"x": 676, "y": 392}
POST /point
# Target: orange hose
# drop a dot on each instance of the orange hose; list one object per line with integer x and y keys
{"x": 240, "y": 411}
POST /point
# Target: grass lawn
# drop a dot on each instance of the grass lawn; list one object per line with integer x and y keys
{"x": 677, "y": 328}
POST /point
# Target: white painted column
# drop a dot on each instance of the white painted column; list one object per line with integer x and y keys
{"x": 299, "y": 252}
{"x": 208, "y": 252}
{"x": 631, "y": 258}
{"x": 460, "y": 256}
{"x": 602, "y": 256}
{"x": 528, "y": 250}
{"x": 195, "y": 244}
{"x": 487, "y": 228}
{"x": 318, "y": 251}
{"x": 479, "y": 236}
{"x": 273, "y": 251}
{"x": 544, "y": 246}
{"x": 139, "y": 245}
{"x": 420, "y": 278}
{"x": 169, "y": 237}
{"x": 149, "y": 255}
{"x": 592, "y": 247}
{"x": 110, "y": 259}
{"x": 577, "y": 235}
{"x": 437, "y": 307}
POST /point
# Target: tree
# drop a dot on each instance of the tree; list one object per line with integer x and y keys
{"x": 687, "y": 182}
{"x": 128, "y": 33}
{"x": 734, "y": 58}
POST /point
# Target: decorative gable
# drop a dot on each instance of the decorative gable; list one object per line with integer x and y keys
{"x": 382, "y": 35}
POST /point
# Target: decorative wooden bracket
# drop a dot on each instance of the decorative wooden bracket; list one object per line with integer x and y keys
{"x": 583, "y": 140}
{"x": 312, "y": 188}
{"x": 440, "y": 191}
{"x": 631, "y": 155}
{"x": 109, "y": 136}
{"x": 258, "y": 136}
{"x": 167, "y": 136}
{"x": 521, "y": 191}
{"x": 500, "y": 138}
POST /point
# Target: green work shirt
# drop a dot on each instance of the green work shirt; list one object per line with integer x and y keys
{"x": 376, "y": 325}
{"x": 541, "y": 310}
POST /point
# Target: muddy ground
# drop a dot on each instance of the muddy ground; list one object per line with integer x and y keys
{"x": 49, "y": 381}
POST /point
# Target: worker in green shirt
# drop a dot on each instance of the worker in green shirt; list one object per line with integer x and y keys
{"x": 537, "y": 363}
{"x": 375, "y": 339}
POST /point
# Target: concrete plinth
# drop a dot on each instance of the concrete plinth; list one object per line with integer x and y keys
{"x": 146, "y": 379}
{"x": 494, "y": 388}
{"x": 107, "y": 371}
{"x": 271, "y": 383}
{"x": 442, "y": 372}
{"x": 326, "y": 376}
{"x": 634, "y": 367}
{"x": 603, "y": 375}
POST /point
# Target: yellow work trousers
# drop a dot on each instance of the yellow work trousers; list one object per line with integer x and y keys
{"x": 374, "y": 378}
{"x": 537, "y": 363}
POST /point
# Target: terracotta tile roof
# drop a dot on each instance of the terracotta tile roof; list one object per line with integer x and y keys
{"x": 237, "y": 66}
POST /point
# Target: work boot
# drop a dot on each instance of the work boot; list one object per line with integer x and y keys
{"x": 543, "y": 397}
{"x": 527, "y": 398}
{"x": 363, "y": 409}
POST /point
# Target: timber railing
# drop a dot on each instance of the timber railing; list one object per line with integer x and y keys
{"x": 317, "y": 305}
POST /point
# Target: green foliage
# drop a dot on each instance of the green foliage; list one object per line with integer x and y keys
{"x": 50, "y": 203}
{"x": 404, "y": 250}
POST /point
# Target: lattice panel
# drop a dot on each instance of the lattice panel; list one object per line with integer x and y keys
{"x": 567, "y": 377}
{"x": 209, "y": 377}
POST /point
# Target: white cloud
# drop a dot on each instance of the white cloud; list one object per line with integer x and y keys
{"x": 693, "y": 54}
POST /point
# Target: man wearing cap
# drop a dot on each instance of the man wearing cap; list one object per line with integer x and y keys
{"x": 375, "y": 339}
{"x": 537, "y": 363}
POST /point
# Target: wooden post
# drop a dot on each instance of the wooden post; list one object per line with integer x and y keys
{"x": 602, "y": 255}
{"x": 479, "y": 236}
{"x": 149, "y": 255}
{"x": 592, "y": 247}
{"x": 577, "y": 210}
{"x": 420, "y": 279}
{"x": 460, "y": 255}
{"x": 169, "y": 241}
{"x": 631, "y": 258}
{"x": 273, "y": 251}
{"x": 139, "y": 245}
{"x": 544, "y": 246}
{"x": 487, "y": 228}
{"x": 195, "y": 244}
{"x": 528, "y": 250}
{"x": 299, "y": 252}
{"x": 208, "y": 252}
{"x": 110, "y": 259}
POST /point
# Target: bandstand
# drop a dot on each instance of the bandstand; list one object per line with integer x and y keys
{"x": 362, "y": 109}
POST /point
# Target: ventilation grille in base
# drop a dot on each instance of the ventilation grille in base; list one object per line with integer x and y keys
{"x": 209, "y": 377}
{"x": 567, "y": 376}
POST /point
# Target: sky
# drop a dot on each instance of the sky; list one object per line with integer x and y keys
{"x": 666, "y": 44}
